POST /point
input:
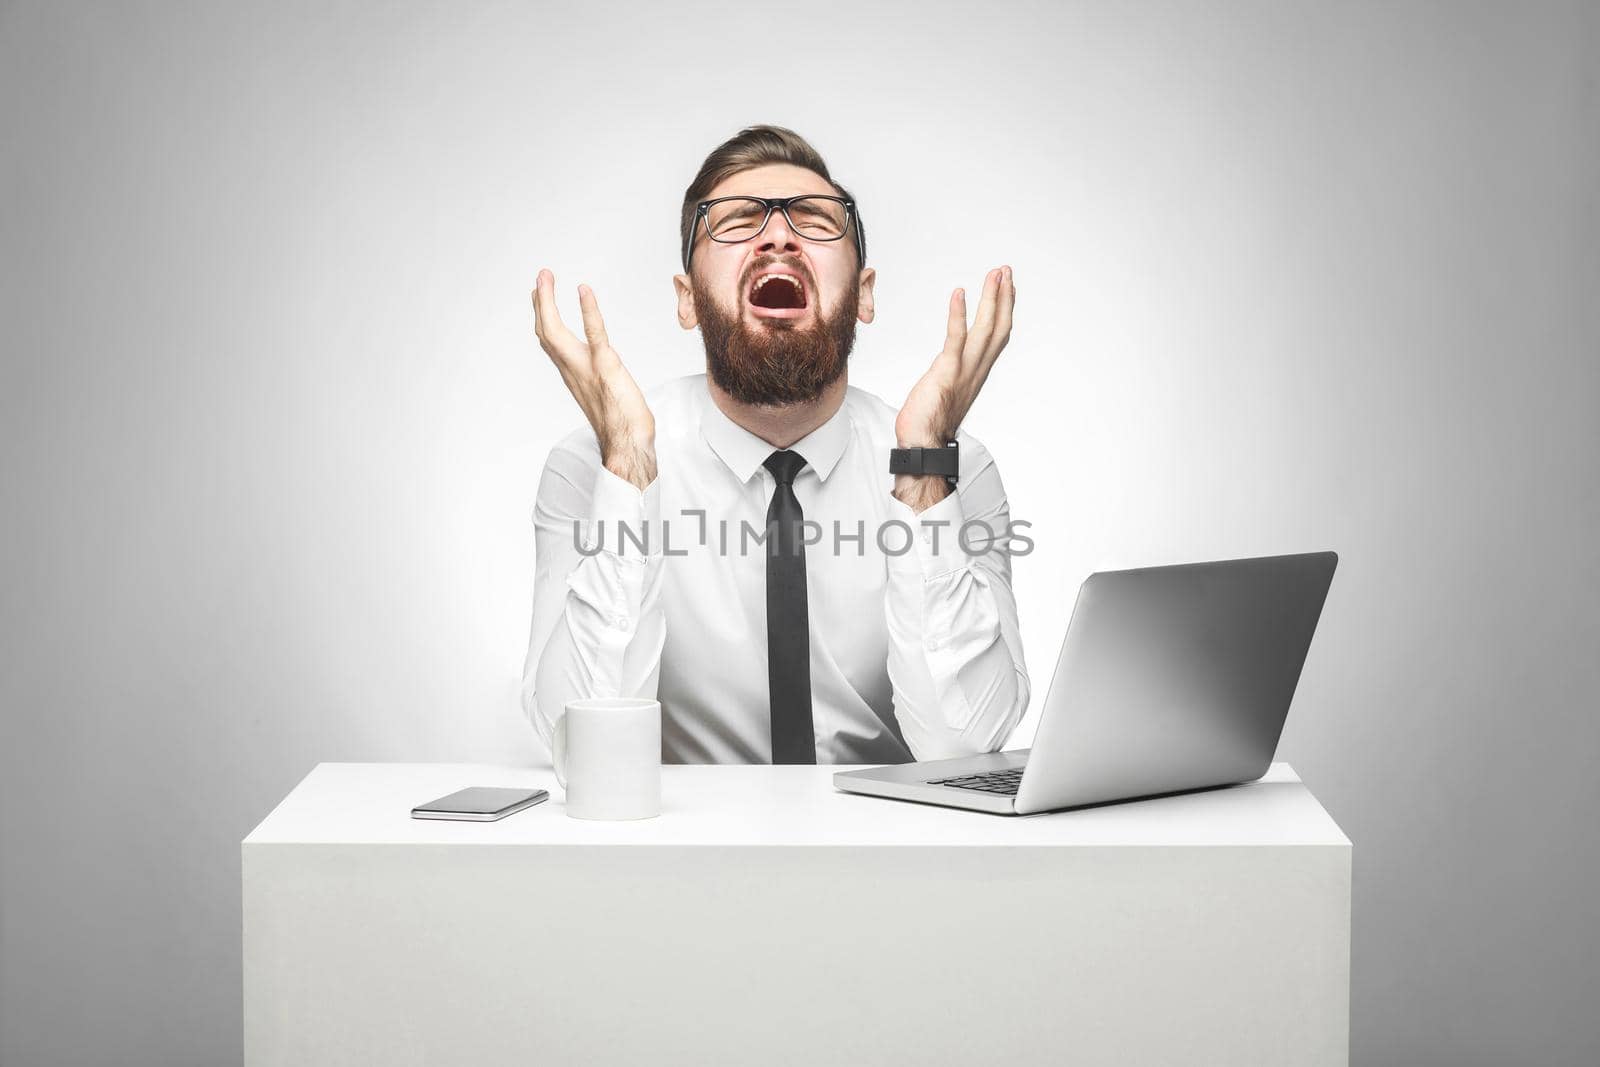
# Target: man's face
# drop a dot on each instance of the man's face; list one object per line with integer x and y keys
{"x": 783, "y": 354}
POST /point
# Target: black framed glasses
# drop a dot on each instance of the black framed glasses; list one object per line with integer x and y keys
{"x": 731, "y": 219}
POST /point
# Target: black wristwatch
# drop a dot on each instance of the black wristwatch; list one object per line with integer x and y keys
{"x": 945, "y": 461}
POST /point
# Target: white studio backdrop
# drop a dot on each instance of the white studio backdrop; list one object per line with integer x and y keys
{"x": 1289, "y": 278}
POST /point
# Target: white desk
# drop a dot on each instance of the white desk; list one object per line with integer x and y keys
{"x": 765, "y": 918}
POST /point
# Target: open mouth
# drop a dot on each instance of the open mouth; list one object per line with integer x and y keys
{"x": 778, "y": 294}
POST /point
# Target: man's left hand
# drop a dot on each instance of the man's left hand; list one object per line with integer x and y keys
{"x": 942, "y": 396}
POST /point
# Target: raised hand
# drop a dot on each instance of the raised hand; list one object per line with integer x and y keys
{"x": 942, "y": 396}
{"x": 594, "y": 374}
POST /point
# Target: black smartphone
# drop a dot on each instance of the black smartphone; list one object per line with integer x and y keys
{"x": 480, "y": 804}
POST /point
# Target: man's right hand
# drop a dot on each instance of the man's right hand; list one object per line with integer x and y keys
{"x": 598, "y": 381}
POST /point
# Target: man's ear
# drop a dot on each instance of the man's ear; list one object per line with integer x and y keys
{"x": 864, "y": 294}
{"x": 686, "y": 316}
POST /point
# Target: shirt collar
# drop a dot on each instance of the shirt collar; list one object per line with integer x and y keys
{"x": 744, "y": 452}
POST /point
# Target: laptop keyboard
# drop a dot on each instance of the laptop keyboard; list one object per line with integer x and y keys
{"x": 1004, "y": 782}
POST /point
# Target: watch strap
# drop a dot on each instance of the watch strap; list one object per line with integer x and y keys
{"x": 945, "y": 461}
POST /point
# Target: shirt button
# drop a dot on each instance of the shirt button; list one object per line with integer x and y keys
{"x": 930, "y": 643}
{"x": 621, "y": 623}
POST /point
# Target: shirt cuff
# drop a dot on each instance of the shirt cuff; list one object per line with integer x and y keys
{"x": 631, "y": 517}
{"x": 935, "y": 538}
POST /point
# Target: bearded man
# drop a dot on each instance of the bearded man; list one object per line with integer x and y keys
{"x": 797, "y": 570}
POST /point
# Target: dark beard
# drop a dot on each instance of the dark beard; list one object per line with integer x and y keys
{"x": 775, "y": 363}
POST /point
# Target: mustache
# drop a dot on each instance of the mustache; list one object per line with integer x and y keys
{"x": 789, "y": 266}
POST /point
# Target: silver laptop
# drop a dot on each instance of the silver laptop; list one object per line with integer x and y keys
{"x": 1170, "y": 679}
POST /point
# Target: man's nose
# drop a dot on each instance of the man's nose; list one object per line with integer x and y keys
{"x": 777, "y": 235}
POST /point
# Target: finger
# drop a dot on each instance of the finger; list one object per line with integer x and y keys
{"x": 1002, "y": 331}
{"x": 978, "y": 339}
{"x": 594, "y": 327}
{"x": 547, "y": 324}
{"x": 544, "y": 311}
{"x": 1002, "y": 318}
{"x": 955, "y": 334}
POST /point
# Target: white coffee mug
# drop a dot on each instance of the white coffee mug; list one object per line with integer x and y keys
{"x": 607, "y": 753}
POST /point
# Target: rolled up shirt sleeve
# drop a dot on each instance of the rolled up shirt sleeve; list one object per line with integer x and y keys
{"x": 598, "y": 625}
{"x": 955, "y": 650}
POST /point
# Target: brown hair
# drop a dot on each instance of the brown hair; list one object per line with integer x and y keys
{"x": 752, "y": 147}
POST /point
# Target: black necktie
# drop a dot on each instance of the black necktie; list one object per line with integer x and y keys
{"x": 788, "y": 626}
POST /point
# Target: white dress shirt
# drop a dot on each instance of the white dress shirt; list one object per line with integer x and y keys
{"x": 915, "y": 652}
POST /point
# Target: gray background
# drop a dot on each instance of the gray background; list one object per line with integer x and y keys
{"x": 1289, "y": 277}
